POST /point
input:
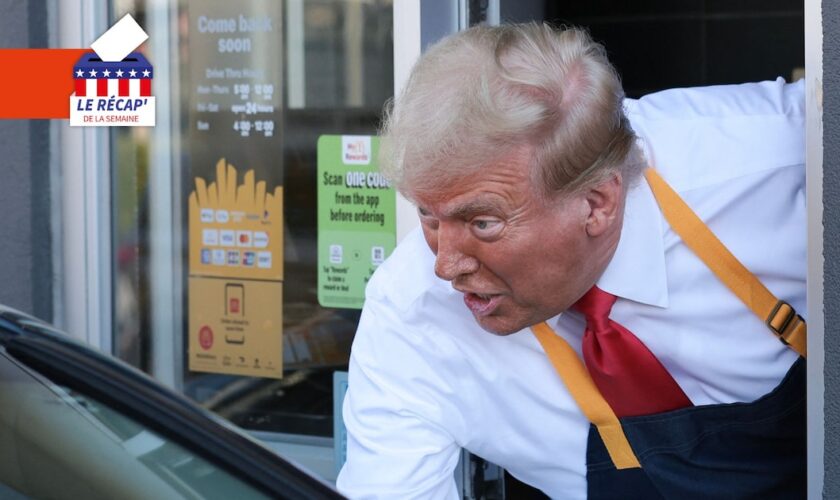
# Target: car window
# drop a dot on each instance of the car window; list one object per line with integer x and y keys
{"x": 57, "y": 443}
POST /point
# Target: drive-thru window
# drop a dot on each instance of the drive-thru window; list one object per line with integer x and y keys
{"x": 228, "y": 247}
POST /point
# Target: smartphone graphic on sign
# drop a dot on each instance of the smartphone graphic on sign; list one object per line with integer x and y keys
{"x": 234, "y": 307}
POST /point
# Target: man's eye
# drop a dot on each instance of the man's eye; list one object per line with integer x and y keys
{"x": 485, "y": 228}
{"x": 426, "y": 219}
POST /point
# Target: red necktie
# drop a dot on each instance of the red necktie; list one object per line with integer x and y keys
{"x": 628, "y": 375}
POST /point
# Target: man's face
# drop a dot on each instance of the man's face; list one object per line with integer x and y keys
{"x": 517, "y": 258}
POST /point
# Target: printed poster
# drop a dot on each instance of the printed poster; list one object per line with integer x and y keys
{"x": 236, "y": 275}
{"x": 233, "y": 83}
{"x": 356, "y": 218}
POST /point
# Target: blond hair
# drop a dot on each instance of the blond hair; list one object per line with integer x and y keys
{"x": 484, "y": 93}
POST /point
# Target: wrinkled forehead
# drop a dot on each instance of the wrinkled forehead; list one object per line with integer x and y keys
{"x": 458, "y": 171}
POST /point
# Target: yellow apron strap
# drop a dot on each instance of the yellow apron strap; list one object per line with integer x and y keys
{"x": 779, "y": 316}
{"x": 589, "y": 399}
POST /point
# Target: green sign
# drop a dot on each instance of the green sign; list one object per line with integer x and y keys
{"x": 356, "y": 218}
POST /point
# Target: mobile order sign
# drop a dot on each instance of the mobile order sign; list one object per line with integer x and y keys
{"x": 356, "y": 218}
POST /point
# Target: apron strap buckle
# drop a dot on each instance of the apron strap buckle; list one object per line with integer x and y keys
{"x": 786, "y": 323}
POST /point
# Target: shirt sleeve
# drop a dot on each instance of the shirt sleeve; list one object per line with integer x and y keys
{"x": 396, "y": 411}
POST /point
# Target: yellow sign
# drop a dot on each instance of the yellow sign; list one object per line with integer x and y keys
{"x": 236, "y": 230}
{"x": 235, "y": 327}
{"x": 236, "y": 276}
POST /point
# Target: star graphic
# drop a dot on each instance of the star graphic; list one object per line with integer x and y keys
{"x": 119, "y": 73}
{"x": 92, "y": 72}
{"x": 132, "y": 73}
{"x": 80, "y": 73}
{"x": 106, "y": 73}
{"x": 146, "y": 73}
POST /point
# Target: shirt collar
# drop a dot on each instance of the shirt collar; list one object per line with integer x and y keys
{"x": 637, "y": 270}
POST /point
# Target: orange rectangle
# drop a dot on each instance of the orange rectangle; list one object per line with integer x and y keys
{"x": 37, "y": 83}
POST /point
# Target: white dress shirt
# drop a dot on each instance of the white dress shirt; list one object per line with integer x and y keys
{"x": 426, "y": 380}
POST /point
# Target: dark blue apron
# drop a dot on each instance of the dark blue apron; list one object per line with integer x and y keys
{"x": 739, "y": 450}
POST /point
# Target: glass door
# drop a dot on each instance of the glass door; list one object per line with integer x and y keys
{"x": 217, "y": 277}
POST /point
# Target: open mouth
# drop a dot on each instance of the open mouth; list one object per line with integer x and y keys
{"x": 482, "y": 304}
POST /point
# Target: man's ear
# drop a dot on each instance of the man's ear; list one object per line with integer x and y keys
{"x": 604, "y": 202}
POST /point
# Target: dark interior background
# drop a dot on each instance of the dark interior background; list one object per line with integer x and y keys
{"x": 659, "y": 44}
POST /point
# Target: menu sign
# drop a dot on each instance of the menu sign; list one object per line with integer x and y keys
{"x": 233, "y": 77}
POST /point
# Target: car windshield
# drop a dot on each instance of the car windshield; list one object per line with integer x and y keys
{"x": 58, "y": 443}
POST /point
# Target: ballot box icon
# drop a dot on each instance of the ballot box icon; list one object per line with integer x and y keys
{"x": 131, "y": 77}
{"x": 117, "y": 93}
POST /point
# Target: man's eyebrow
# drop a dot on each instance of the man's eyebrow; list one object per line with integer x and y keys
{"x": 473, "y": 207}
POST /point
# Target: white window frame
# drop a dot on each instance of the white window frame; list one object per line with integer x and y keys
{"x": 814, "y": 181}
{"x": 407, "y": 50}
{"x": 84, "y": 229}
